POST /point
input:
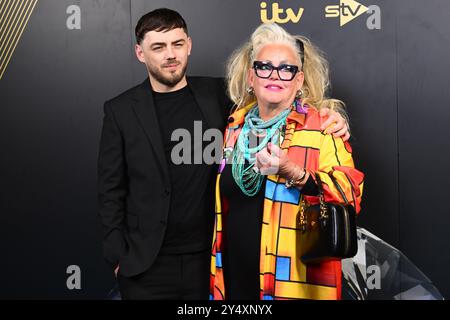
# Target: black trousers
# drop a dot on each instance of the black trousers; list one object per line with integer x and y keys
{"x": 171, "y": 277}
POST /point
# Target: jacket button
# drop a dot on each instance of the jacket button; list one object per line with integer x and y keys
{"x": 166, "y": 193}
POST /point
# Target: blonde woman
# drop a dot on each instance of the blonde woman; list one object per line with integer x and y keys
{"x": 273, "y": 148}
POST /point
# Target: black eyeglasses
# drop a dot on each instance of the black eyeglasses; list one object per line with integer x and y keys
{"x": 286, "y": 72}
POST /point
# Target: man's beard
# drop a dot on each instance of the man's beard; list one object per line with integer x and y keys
{"x": 170, "y": 81}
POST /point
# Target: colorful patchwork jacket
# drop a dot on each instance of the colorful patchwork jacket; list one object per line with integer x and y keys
{"x": 282, "y": 274}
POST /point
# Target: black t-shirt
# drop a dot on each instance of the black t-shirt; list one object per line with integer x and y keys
{"x": 242, "y": 239}
{"x": 241, "y": 235}
{"x": 191, "y": 214}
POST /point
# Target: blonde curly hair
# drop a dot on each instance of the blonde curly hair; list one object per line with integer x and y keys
{"x": 315, "y": 68}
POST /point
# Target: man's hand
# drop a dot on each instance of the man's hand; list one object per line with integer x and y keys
{"x": 340, "y": 127}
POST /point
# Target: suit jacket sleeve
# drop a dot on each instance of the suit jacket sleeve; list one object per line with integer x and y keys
{"x": 112, "y": 187}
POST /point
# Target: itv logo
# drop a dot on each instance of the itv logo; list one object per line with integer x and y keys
{"x": 280, "y": 15}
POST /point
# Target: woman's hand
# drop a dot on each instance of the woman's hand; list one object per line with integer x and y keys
{"x": 340, "y": 127}
{"x": 273, "y": 161}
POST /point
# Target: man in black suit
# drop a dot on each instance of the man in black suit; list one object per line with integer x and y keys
{"x": 157, "y": 216}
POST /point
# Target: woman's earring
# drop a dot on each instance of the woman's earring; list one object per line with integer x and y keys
{"x": 251, "y": 91}
{"x": 298, "y": 105}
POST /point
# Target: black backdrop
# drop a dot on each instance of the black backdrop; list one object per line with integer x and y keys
{"x": 394, "y": 80}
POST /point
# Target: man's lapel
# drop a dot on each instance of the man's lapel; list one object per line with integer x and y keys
{"x": 208, "y": 102}
{"x": 144, "y": 108}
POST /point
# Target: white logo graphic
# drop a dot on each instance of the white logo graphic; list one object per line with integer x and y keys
{"x": 74, "y": 20}
{"x": 74, "y": 280}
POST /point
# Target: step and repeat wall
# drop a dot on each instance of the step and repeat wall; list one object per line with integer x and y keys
{"x": 60, "y": 60}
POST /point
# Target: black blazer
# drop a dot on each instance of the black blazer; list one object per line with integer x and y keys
{"x": 134, "y": 189}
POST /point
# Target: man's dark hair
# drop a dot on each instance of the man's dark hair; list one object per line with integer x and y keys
{"x": 158, "y": 20}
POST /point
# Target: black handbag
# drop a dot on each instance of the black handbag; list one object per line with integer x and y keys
{"x": 328, "y": 230}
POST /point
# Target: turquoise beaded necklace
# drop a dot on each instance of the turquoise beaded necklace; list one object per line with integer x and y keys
{"x": 244, "y": 155}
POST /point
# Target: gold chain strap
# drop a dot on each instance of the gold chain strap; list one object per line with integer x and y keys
{"x": 302, "y": 221}
{"x": 323, "y": 207}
